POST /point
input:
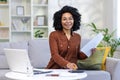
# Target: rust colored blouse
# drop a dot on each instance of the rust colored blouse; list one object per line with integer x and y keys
{"x": 63, "y": 50}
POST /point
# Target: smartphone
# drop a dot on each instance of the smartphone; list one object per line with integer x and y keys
{"x": 76, "y": 71}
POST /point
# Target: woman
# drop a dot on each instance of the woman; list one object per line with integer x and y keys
{"x": 64, "y": 42}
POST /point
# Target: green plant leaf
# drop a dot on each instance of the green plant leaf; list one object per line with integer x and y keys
{"x": 108, "y": 39}
{"x": 38, "y": 34}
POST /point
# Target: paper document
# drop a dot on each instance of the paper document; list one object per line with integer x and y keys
{"x": 92, "y": 44}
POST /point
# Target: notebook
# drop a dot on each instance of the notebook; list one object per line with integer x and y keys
{"x": 18, "y": 60}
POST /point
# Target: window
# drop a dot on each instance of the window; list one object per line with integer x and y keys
{"x": 118, "y": 18}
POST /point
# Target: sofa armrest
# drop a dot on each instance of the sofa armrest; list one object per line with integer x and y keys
{"x": 113, "y": 66}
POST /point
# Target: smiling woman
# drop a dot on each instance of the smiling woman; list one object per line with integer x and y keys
{"x": 64, "y": 42}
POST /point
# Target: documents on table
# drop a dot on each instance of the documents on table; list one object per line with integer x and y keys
{"x": 92, "y": 44}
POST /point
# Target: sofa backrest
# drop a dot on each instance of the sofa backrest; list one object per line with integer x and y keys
{"x": 39, "y": 52}
{"x": 3, "y": 61}
{"x": 84, "y": 42}
{"x": 116, "y": 54}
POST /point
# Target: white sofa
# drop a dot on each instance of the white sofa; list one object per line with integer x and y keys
{"x": 39, "y": 54}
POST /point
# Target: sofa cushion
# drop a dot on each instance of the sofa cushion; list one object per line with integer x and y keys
{"x": 39, "y": 52}
{"x": 95, "y": 61}
{"x": 97, "y": 75}
{"x": 3, "y": 61}
{"x": 2, "y": 74}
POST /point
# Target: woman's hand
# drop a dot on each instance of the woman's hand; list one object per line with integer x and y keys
{"x": 72, "y": 66}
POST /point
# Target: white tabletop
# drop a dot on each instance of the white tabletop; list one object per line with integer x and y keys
{"x": 62, "y": 75}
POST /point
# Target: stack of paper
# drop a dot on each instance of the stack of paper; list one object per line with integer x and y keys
{"x": 92, "y": 44}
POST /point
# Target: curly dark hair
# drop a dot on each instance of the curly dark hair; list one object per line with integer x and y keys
{"x": 58, "y": 15}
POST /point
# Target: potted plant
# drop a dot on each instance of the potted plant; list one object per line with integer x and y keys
{"x": 38, "y": 34}
{"x": 3, "y": 1}
{"x": 108, "y": 39}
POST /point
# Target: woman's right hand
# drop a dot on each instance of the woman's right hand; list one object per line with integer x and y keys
{"x": 72, "y": 66}
{"x": 93, "y": 50}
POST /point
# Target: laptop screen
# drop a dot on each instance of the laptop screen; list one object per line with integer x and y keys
{"x": 18, "y": 60}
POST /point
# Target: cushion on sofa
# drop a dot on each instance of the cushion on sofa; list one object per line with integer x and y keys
{"x": 39, "y": 52}
{"x": 96, "y": 60}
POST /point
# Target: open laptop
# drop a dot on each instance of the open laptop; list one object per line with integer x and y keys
{"x": 18, "y": 60}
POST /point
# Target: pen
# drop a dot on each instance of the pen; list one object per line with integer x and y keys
{"x": 54, "y": 75}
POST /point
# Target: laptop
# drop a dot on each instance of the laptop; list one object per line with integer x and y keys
{"x": 18, "y": 60}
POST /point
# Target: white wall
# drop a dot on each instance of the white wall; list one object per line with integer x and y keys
{"x": 110, "y": 14}
{"x": 98, "y": 11}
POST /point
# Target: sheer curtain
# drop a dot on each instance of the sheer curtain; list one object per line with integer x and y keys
{"x": 118, "y": 18}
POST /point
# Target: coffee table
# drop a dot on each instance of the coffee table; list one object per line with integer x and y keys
{"x": 56, "y": 74}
